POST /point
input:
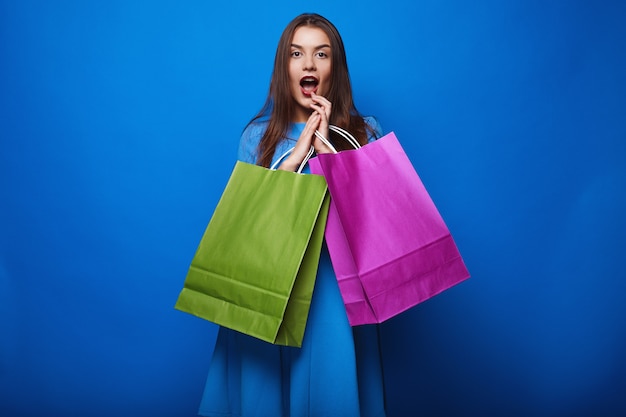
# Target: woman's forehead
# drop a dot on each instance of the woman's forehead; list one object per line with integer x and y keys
{"x": 310, "y": 36}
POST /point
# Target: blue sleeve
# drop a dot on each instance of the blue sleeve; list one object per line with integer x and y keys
{"x": 249, "y": 142}
{"x": 372, "y": 122}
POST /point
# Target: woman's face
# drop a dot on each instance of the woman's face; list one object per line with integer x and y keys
{"x": 309, "y": 68}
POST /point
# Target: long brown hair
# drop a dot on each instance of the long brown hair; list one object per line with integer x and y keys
{"x": 279, "y": 104}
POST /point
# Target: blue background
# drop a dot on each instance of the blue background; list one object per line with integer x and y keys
{"x": 119, "y": 124}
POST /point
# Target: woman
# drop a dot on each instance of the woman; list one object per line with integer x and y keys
{"x": 337, "y": 371}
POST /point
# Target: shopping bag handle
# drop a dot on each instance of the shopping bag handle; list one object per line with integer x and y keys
{"x": 343, "y": 133}
{"x": 304, "y": 162}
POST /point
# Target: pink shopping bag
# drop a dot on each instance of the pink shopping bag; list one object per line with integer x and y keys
{"x": 389, "y": 246}
{"x": 358, "y": 308}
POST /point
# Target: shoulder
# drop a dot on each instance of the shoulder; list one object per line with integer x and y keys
{"x": 254, "y": 130}
{"x": 375, "y": 130}
{"x": 249, "y": 141}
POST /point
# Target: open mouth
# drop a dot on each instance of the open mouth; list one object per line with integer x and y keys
{"x": 308, "y": 85}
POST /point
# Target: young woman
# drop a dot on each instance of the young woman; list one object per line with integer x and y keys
{"x": 337, "y": 372}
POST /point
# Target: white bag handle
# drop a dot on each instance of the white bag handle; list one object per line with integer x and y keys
{"x": 343, "y": 133}
{"x": 304, "y": 162}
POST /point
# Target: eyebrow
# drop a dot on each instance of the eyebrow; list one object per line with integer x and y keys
{"x": 293, "y": 45}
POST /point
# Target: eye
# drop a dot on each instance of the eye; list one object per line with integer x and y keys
{"x": 296, "y": 54}
{"x": 322, "y": 54}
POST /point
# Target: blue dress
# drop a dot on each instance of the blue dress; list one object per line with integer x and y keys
{"x": 336, "y": 373}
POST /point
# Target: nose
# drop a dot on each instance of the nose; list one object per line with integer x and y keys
{"x": 309, "y": 63}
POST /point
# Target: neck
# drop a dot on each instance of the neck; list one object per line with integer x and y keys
{"x": 301, "y": 114}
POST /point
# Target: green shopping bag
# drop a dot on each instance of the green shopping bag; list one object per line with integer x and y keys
{"x": 255, "y": 267}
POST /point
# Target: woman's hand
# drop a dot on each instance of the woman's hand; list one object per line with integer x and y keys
{"x": 318, "y": 120}
{"x": 323, "y": 107}
{"x": 300, "y": 151}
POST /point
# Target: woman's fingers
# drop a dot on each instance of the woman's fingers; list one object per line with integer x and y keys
{"x": 301, "y": 149}
{"x": 322, "y": 106}
{"x": 320, "y": 147}
{"x": 322, "y": 128}
{"x": 308, "y": 133}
